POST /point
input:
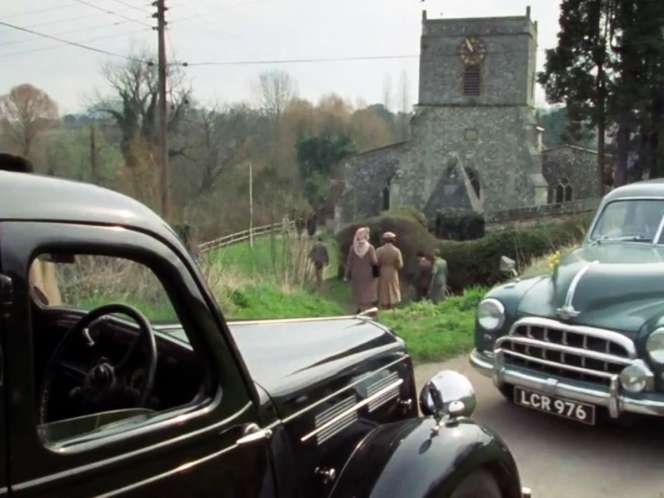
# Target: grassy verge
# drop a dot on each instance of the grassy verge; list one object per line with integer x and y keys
{"x": 436, "y": 332}
{"x": 266, "y": 301}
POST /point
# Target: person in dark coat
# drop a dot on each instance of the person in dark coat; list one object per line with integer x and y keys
{"x": 423, "y": 276}
{"x": 320, "y": 258}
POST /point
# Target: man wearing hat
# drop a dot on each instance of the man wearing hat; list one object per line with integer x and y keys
{"x": 390, "y": 262}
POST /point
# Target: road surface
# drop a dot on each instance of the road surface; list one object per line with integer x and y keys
{"x": 557, "y": 458}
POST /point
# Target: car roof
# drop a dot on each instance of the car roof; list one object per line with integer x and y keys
{"x": 33, "y": 197}
{"x": 648, "y": 188}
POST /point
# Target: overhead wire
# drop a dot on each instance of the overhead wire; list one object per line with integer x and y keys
{"x": 38, "y": 11}
{"x": 130, "y": 6}
{"x": 72, "y": 43}
{"x": 61, "y": 33}
{"x": 111, "y": 12}
{"x": 296, "y": 61}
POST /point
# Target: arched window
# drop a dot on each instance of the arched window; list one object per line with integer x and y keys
{"x": 386, "y": 198}
{"x": 564, "y": 191}
{"x": 471, "y": 80}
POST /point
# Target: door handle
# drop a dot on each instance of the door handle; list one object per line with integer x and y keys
{"x": 252, "y": 434}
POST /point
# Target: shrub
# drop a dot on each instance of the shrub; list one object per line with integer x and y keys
{"x": 455, "y": 224}
{"x": 473, "y": 262}
{"x": 476, "y": 262}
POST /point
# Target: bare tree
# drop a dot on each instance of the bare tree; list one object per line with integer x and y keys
{"x": 133, "y": 106}
{"x": 25, "y": 112}
{"x": 276, "y": 88}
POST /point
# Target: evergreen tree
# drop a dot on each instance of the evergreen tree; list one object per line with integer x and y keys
{"x": 576, "y": 72}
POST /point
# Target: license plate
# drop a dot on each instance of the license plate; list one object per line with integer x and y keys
{"x": 573, "y": 410}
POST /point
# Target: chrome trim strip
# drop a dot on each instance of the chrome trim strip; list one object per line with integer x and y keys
{"x": 177, "y": 470}
{"x": 297, "y": 320}
{"x": 552, "y": 346}
{"x": 118, "y": 458}
{"x": 345, "y": 388}
{"x": 563, "y": 366}
{"x": 567, "y": 309}
{"x": 351, "y": 410}
{"x": 607, "y": 335}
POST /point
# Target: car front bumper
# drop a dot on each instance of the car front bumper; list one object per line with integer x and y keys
{"x": 612, "y": 398}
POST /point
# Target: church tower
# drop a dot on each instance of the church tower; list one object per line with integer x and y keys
{"x": 474, "y": 143}
{"x": 474, "y": 135}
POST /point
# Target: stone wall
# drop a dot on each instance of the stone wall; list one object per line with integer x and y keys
{"x": 496, "y": 144}
{"x": 570, "y": 169}
{"x": 530, "y": 216}
{"x": 366, "y": 176}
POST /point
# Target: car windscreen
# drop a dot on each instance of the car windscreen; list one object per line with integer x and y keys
{"x": 634, "y": 220}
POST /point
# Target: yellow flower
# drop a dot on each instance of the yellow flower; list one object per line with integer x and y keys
{"x": 554, "y": 260}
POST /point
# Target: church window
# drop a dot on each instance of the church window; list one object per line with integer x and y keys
{"x": 471, "y": 80}
{"x": 386, "y": 198}
{"x": 564, "y": 191}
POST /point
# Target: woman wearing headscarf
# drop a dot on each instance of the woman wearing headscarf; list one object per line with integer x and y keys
{"x": 390, "y": 261}
{"x": 359, "y": 269}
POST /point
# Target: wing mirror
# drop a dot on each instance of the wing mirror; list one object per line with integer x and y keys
{"x": 448, "y": 394}
{"x": 508, "y": 265}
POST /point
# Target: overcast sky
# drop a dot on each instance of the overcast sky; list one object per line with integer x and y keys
{"x": 238, "y": 30}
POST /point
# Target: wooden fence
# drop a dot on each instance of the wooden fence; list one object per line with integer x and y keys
{"x": 234, "y": 238}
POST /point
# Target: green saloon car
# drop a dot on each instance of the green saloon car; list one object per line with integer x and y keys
{"x": 587, "y": 339}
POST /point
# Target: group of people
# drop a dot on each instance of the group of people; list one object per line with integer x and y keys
{"x": 374, "y": 273}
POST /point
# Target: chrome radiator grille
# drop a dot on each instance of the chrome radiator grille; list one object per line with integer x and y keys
{"x": 570, "y": 351}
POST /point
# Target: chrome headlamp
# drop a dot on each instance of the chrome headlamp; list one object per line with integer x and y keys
{"x": 491, "y": 314}
{"x": 636, "y": 377}
{"x": 655, "y": 346}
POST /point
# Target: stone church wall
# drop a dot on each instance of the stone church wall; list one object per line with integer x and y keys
{"x": 366, "y": 177}
{"x": 571, "y": 171}
{"x": 506, "y": 165}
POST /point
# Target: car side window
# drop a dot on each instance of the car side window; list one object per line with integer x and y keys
{"x": 104, "y": 363}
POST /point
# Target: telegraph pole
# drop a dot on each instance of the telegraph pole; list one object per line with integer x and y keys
{"x": 163, "y": 111}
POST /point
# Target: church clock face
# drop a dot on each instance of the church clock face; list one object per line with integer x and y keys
{"x": 472, "y": 50}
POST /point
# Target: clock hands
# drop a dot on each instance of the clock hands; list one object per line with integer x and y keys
{"x": 470, "y": 46}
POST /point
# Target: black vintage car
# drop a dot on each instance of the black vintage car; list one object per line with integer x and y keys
{"x": 102, "y": 397}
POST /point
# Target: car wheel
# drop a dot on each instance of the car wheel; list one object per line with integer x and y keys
{"x": 478, "y": 484}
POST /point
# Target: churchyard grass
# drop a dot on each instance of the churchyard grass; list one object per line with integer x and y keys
{"x": 436, "y": 332}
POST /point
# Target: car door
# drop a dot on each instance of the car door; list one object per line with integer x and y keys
{"x": 211, "y": 446}
{"x": 6, "y": 298}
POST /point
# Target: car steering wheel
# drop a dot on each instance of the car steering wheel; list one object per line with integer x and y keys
{"x": 102, "y": 376}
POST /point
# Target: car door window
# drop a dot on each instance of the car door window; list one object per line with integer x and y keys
{"x": 103, "y": 377}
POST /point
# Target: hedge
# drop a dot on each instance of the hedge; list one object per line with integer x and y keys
{"x": 474, "y": 262}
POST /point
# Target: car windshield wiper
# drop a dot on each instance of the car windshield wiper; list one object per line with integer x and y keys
{"x": 622, "y": 238}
